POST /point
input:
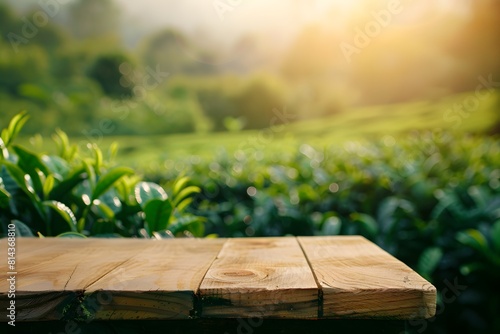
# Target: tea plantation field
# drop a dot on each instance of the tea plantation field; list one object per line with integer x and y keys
{"x": 405, "y": 176}
{"x": 421, "y": 179}
{"x": 353, "y": 124}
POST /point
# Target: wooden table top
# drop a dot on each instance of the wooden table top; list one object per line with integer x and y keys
{"x": 290, "y": 278}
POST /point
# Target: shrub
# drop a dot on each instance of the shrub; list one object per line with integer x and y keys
{"x": 106, "y": 71}
{"x": 257, "y": 101}
{"x": 75, "y": 195}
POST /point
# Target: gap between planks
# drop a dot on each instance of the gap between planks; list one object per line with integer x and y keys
{"x": 360, "y": 280}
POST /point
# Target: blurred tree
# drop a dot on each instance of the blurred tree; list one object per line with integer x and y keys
{"x": 28, "y": 66}
{"x": 174, "y": 52}
{"x": 164, "y": 49}
{"x": 7, "y": 20}
{"x": 93, "y": 18}
{"x": 258, "y": 101}
{"x": 51, "y": 38}
{"x": 106, "y": 71}
{"x": 245, "y": 55}
{"x": 217, "y": 103}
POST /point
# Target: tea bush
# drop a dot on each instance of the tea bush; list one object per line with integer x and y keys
{"x": 71, "y": 194}
{"x": 431, "y": 199}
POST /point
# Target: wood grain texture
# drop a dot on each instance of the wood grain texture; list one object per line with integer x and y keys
{"x": 260, "y": 278}
{"x": 360, "y": 280}
{"x": 42, "y": 275}
{"x": 159, "y": 282}
{"x": 253, "y": 278}
{"x": 65, "y": 280}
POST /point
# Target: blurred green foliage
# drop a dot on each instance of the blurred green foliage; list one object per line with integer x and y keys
{"x": 68, "y": 71}
{"x": 84, "y": 80}
{"x": 106, "y": 71}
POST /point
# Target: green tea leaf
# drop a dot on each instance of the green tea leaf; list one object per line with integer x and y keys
{"x": 165, "y": 234}
{"x": 107, "y": 180}
{"x": 158, "y": 214}
{"x": 103, "y": 227}
{"x": 125, "y": 189}
{"x": 429, "y": 260}
{"x": 113, "y": 151}
{"x": 80, "y": 226}
{"x": 56, "y": 166}
{"x": 21, "y": 179}
{"x": 64, "y": 212}
{"x": 98, "y": 162}
{"x": 146, "y": 191}
{"x": 107, "y": 236}
{"x": 15, "y": 126}
{"x": 37, "y": 181}
{"x": 470, "y": 268}
{"x": 62, "y": 142}
{"x": 29, "y": 161}
{"x": 182, "y": 205}
{"x": 332, "y": 226}
{"x": 193, "y": 224}
{"x": 474, "y": 239}
{"x": 59, "y": 191}
{"x": 48, "y": 186}
{"x": 104, "y": 210}
{"x": 91, "y": 174}
{"x": 111, "y": 200}
{"x": 71, "y": 235}
{"x": 31, "y": 164}
{"x": 189, "y": 191}
{"x": 479, "y": 196}
{"x": 495, "y": 236}
{"x": 307, "y": 193}
{"x": 4, "y": 198}
{"x": 5, "y": 138}
{"x": 179, "y": 185}
{"x": 367, "y": 223}
{"x": 22, "y": 230}
{"x": 3, "y": 150}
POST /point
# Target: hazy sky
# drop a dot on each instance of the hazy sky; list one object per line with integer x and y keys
{"x": 277, "y": 19}
{"x": 276, "y": 22}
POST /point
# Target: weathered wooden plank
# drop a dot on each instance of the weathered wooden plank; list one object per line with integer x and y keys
{"x": 123, "y": 279}
{"x": 109, "y": 278}
{"x": 49, "y": 281}
{"x": 260, "y": 277}
{"x": 360, "y": 280}
{"x": 32, "y": 252}
{"x": 159, "y": 282}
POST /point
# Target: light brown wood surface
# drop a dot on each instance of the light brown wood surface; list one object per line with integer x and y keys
{"x": 116, "y": 279}
{"x": 360, "y": 280}
{"x": 305, "y": 277}
{"x": 158, "y": 282}
{"x": 260, "y": 277}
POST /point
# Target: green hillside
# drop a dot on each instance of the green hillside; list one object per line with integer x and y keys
{"x": 359, "y": 124}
